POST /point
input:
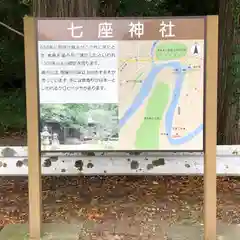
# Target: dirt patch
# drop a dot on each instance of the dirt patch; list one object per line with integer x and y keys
{"x": 125, "y": 206}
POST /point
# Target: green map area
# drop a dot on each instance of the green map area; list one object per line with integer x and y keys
{"x": 147, "y": 135}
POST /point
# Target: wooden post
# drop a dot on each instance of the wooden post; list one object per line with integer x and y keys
{"x": 34, "y": 159}
{"x": 210, "y": 201}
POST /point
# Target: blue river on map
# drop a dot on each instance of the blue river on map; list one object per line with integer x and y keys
{"x": 146, "y": 89}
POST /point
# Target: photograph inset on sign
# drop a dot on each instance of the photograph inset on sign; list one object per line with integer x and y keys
{"x": 82, "y": 126}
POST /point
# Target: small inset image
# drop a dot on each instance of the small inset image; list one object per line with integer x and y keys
{"x": 85, "y": 126}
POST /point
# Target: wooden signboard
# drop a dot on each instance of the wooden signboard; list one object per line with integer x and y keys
{"x": 121, "y": 85}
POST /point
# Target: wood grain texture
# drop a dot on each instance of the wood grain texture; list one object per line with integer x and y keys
{"x": 34, "y": 164}
{"x": 210, "y": 194}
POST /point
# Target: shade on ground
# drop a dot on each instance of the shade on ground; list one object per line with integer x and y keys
{"x": 83, "y": 232}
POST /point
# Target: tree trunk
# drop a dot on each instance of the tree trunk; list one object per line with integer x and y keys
{"x": 225, "y": 80}
{"x": 75, "y": 8}
{"x": 233, "y": 119}
{"x": 64, "y": 8}
{"x": 229, "y": 73}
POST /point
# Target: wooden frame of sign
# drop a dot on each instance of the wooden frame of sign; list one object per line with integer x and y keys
{"x": 210, "y": 178}
{"x": 34, "y": 159}
{"x": 35, "y": 197}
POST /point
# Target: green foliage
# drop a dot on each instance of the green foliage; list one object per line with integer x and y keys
{"x": 12, "y": 107}
{"x": 11, "y": 44}
{"x": 157, "y": 8}
{"x": 142, "y": 8}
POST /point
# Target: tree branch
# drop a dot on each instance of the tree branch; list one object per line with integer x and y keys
{"x": 11, "y": 29}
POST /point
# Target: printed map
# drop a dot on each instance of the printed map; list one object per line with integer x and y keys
{"x": 161, "y": 95}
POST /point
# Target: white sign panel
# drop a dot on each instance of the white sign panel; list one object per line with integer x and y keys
{"x": 121, "y": 85}
{"x": 78, "y": 72}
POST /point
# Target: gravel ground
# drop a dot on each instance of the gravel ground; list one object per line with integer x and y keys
{"x": 126, "y": 207}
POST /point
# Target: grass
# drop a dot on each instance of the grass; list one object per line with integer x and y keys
{"x": 12, "y": 111}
